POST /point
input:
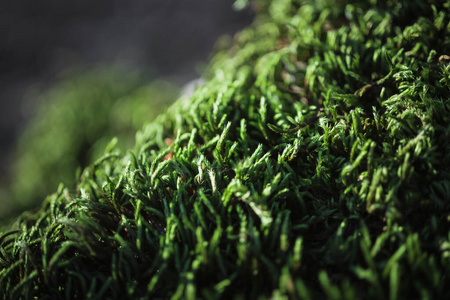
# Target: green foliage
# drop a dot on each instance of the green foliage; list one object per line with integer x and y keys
{"x": 77, "y": 119}
{"x": 313, "y": 164}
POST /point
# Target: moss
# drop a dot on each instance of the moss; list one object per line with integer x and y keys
{"x": 314, "y": 163}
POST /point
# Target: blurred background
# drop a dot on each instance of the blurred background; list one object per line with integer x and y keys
{"x": 75, "y": 73}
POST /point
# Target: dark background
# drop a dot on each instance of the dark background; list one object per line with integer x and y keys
{"x": 41, "y": 39}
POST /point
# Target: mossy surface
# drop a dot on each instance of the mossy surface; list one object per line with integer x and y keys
{"x": 314, "y": 163}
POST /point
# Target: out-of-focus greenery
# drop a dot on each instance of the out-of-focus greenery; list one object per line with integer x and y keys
{"x": 75, "y": 121}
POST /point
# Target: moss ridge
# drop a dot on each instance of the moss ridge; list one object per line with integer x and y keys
{"x": 312, "y": 164}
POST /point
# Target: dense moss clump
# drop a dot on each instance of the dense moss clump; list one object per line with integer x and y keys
{"x": 314, "y": 163}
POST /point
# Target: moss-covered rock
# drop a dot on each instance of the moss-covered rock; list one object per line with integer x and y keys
{"x": 314, "y": 163}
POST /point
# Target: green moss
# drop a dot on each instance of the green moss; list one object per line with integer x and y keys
{"x": 313, "y": 164}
